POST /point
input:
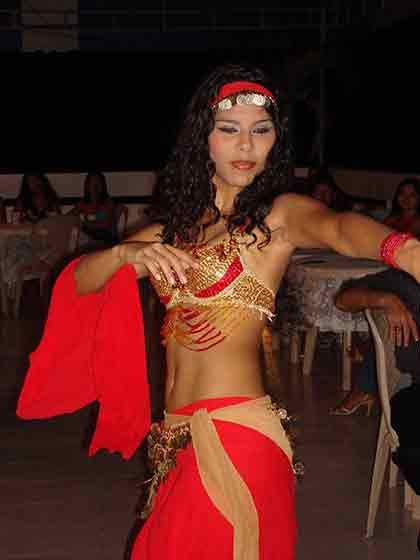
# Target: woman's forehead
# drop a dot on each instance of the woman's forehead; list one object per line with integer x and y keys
{"x": 243, "y": 113}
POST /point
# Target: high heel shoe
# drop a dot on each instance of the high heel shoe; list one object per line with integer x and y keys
{"x": 353, "y": 401}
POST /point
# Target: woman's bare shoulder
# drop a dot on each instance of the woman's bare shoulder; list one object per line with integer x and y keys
{"x": 288, "y": 204}
{"x": 151, "y": 232}
{"x": 293, "y": 200}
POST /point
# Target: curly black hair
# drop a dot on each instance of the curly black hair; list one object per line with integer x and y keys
{"x": 184, "y": 191}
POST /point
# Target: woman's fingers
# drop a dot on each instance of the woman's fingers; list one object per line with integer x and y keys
{"x": 185, "y": 258}
{"x": 412, "y": 329}
{"x": 395, "y": 330}
{"x": 160, "y": 259}
{"x": 172, "y": 262}
{"x": 405, "y": 333}
{"x": 170, "y": 265}
{"x": 405, "y": 329}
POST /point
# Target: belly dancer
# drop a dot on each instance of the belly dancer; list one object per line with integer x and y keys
{"x": 223, "y": 231}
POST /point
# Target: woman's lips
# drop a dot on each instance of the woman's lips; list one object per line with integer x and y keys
{"x": 243, "y": 165}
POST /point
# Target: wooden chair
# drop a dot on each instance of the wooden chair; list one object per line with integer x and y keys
{"x": 387, "y": 439}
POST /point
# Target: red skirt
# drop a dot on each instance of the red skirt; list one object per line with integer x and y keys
{"x": 185, "y": 524}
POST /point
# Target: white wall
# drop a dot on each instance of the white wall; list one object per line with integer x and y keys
{"x": 380, "y": 185}
{"x": 124, "y": 183}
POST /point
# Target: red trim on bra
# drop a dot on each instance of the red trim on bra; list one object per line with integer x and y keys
{"x": 234, "y": 270}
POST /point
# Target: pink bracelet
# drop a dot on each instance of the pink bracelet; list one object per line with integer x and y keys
{"x": 391, "y": 244}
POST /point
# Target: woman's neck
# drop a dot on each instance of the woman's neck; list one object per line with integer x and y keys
{"x": 225, "y": 197}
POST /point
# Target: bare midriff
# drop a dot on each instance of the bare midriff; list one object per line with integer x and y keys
{"x": 214, "y": 322}
{"x": 231, "y": 368}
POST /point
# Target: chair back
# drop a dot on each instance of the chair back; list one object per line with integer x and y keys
{"x": 59, "y": 234}
{"x": 381, "y": 371}
{"x": 120, "y": 221}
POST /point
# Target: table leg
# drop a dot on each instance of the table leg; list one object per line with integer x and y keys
{"x": 294, "y": 347}
{"x": 310, "y": 345}
{"x": 4, "y": 302}
{"x": 346, "y": 361}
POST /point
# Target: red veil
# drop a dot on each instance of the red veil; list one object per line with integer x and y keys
{"x": 93, "y": 349}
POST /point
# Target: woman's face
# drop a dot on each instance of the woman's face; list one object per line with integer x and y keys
{"x": 35, "y": 184}
{"x": 408, "y": 199}
{"x": 240, "y": 143}
{"x": 94, "y": 187}
{"x": 324, "y": 194}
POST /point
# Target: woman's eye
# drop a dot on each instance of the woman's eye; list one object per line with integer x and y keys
{"x": 228, "y": 129}
{"x": 262, "y": 130}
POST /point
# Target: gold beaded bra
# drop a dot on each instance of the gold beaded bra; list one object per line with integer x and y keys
{"x": 216, "y": 298}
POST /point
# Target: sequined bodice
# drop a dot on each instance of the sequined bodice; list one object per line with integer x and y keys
{"x": 218, "y": 295}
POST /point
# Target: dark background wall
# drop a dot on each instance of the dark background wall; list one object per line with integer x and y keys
{"x": 119, "y": 108}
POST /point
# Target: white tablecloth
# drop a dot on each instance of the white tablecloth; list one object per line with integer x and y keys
{"x": 311, "y": 282}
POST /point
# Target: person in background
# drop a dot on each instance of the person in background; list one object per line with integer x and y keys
{"x": 96, "y": 209}
{"x": 322, "y": 187}
{"x": 398, "y": 295}
{"x": 405, "y": 212}
{"x": 37, "y": 199}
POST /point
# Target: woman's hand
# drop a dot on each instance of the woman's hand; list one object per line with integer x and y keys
{"x": 158, "y": 259}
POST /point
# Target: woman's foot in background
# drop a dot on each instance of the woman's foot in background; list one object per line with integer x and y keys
{"x": 353, "y": 401}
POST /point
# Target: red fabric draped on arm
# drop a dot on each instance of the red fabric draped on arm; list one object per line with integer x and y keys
{"x": 93, "y": 349}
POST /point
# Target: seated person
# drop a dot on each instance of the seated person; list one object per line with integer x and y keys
{"x": 37, "y": 199}
{"x": 322, "y": 187}
{"x": 398, "y": 296}
{"x": 395, "y": 293}
{"x": 96, "y": 209}
{"x": 405, "y": 212}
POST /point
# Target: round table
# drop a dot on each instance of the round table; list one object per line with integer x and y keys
{"x": 307, "y": 296}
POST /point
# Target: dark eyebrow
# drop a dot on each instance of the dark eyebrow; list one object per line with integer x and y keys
{"x": 231, "y": 121}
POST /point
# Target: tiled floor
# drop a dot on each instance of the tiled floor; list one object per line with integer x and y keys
{"x": 56, "y": 504}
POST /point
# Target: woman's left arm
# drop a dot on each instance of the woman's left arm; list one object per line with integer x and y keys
{"x": 308, "y": 223}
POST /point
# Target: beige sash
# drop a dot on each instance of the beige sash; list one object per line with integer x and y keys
{"x": 220, "y": 478}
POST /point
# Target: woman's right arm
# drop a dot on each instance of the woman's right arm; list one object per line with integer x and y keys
{"x": 144, "y": 250}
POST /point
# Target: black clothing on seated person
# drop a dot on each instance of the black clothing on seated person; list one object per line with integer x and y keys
{"x": 405, "y": 418}
{"x": 405, "y": 405}
{"x": 408, "y": 290}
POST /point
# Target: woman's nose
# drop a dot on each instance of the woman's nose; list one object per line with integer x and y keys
{"x": 245, "y": 141}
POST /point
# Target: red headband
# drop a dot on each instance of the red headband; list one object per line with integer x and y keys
{"x": 236, "y": 87}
